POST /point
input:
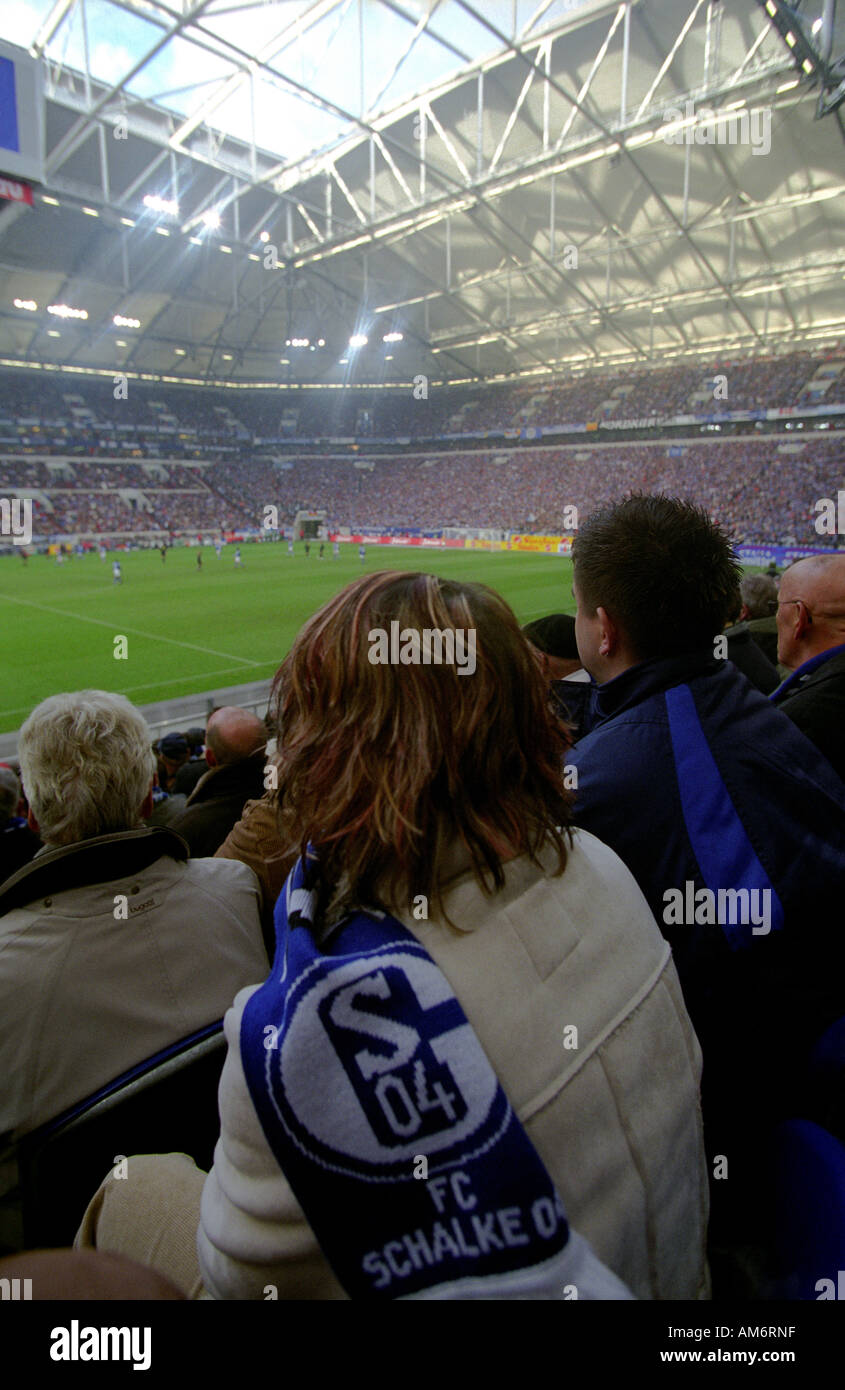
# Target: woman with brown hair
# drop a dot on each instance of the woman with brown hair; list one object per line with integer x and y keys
{"x": 473, "y": 1032}
{"x": 397, "y": 770}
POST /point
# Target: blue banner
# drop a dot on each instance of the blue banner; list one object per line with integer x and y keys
{"x": 782, "y": 555}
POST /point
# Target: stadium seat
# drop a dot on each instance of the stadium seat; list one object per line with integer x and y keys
{"x": 166, "y": 1104}
{"x": 825, "y": 1090}
{"x": 809, "y": 1210}
{"x": 828, "y": 1056}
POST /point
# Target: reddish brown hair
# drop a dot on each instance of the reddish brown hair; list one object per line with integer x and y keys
{"x": 383, "y": 767}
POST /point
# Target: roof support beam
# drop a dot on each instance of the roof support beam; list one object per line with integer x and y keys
{"x": 456, "y": 158}
{"x": 419, "y": 29}
{"x": 393, "y": 167}
{"x": 626, "y": 59}
{"x": 511, "y": 121}
{"x": 347, "y": 193}
{"x": 750, "y": 54}
{"x": 283, "y": 39}
{"x": 50, "y": 25}
{"x": 667, "y": 61}
{"x": 422, "y": 125}
{"x": 588, "y": 80}
{"x": 602, "y": 127}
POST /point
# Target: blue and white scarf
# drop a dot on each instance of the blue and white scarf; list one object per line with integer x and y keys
{"x": 391, "y": 1126}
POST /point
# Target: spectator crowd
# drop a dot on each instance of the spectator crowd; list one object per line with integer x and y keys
{"x": 153, "y": 421}
{"x": 763, "y": 489}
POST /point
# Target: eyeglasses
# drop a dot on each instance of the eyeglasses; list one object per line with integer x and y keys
{"x": 783, "y": 601}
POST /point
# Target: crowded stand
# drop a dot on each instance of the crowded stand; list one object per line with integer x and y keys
{"x": 760, "y": 493}
{"x": 157, "y": 421}
{"x": 131, "y": 475}
{"x": 92, "y": 513}
{"x": 763, "y": 489}
{"x": 198, "y": 512}
{"x": 26, "y": 473}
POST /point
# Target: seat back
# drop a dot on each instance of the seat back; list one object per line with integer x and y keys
{"x": 167, "y": 1104}
{"x": 809, "y": 1208}
{"x": 828, "y": 1055}
{"x": 824, "y": 1091}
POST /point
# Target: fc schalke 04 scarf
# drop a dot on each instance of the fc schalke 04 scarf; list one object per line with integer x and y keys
{"x": 391, "y": 1126}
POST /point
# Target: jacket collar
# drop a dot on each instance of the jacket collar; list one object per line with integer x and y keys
{"x": 802, "y": 673}
{"x": 91, "y": 861}
{"x": 649, "y": 678}
{"x": 228, "y": 779}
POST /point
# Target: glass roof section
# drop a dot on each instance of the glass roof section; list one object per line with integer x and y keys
{"x": 290, "y": 75}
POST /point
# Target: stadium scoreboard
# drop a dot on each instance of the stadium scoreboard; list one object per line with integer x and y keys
{"x": 21, "y": 123}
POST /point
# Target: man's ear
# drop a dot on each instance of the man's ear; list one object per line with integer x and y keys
{"x": 32, "y": 822}
{"x": 209, "y": 757}
{"x": 610, "y": 633}
{"x": 147, "y": 804}
{"x": 804, "y": 620}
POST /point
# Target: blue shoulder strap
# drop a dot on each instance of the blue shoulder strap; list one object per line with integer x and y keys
{"x": 726, "y": 857}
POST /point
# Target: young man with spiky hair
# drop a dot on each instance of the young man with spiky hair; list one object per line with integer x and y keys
{"x": 706, "y": 790}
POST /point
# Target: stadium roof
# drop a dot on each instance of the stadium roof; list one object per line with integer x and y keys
{"x": 516, "y": 188}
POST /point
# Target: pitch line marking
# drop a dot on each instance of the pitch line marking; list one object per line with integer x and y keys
{"x": 150, "y": 685}
{"x": 154, "y": 685}
{"x": 135, "y": 631}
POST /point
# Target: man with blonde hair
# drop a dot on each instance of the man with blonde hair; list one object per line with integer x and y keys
{"x": 811, "y": 645}
{"x": 113, "y": 943}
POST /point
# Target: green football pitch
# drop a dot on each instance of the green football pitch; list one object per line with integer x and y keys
{"x": 189, "y": 631}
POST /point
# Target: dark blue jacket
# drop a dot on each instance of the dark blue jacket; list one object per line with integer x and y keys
{"x": 691, "y": 774}
{"x": 814, "y": 698}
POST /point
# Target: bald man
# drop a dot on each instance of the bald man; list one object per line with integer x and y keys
{"x": 235, "y": 741}
{"x": 811, "y": 645}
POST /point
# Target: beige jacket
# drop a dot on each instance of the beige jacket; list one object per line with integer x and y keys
{"x": 99, "y": 977}
{"x": 616, "y": 1119}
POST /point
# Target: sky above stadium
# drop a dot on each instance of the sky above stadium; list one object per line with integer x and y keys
{"x": 251, "y": 66}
